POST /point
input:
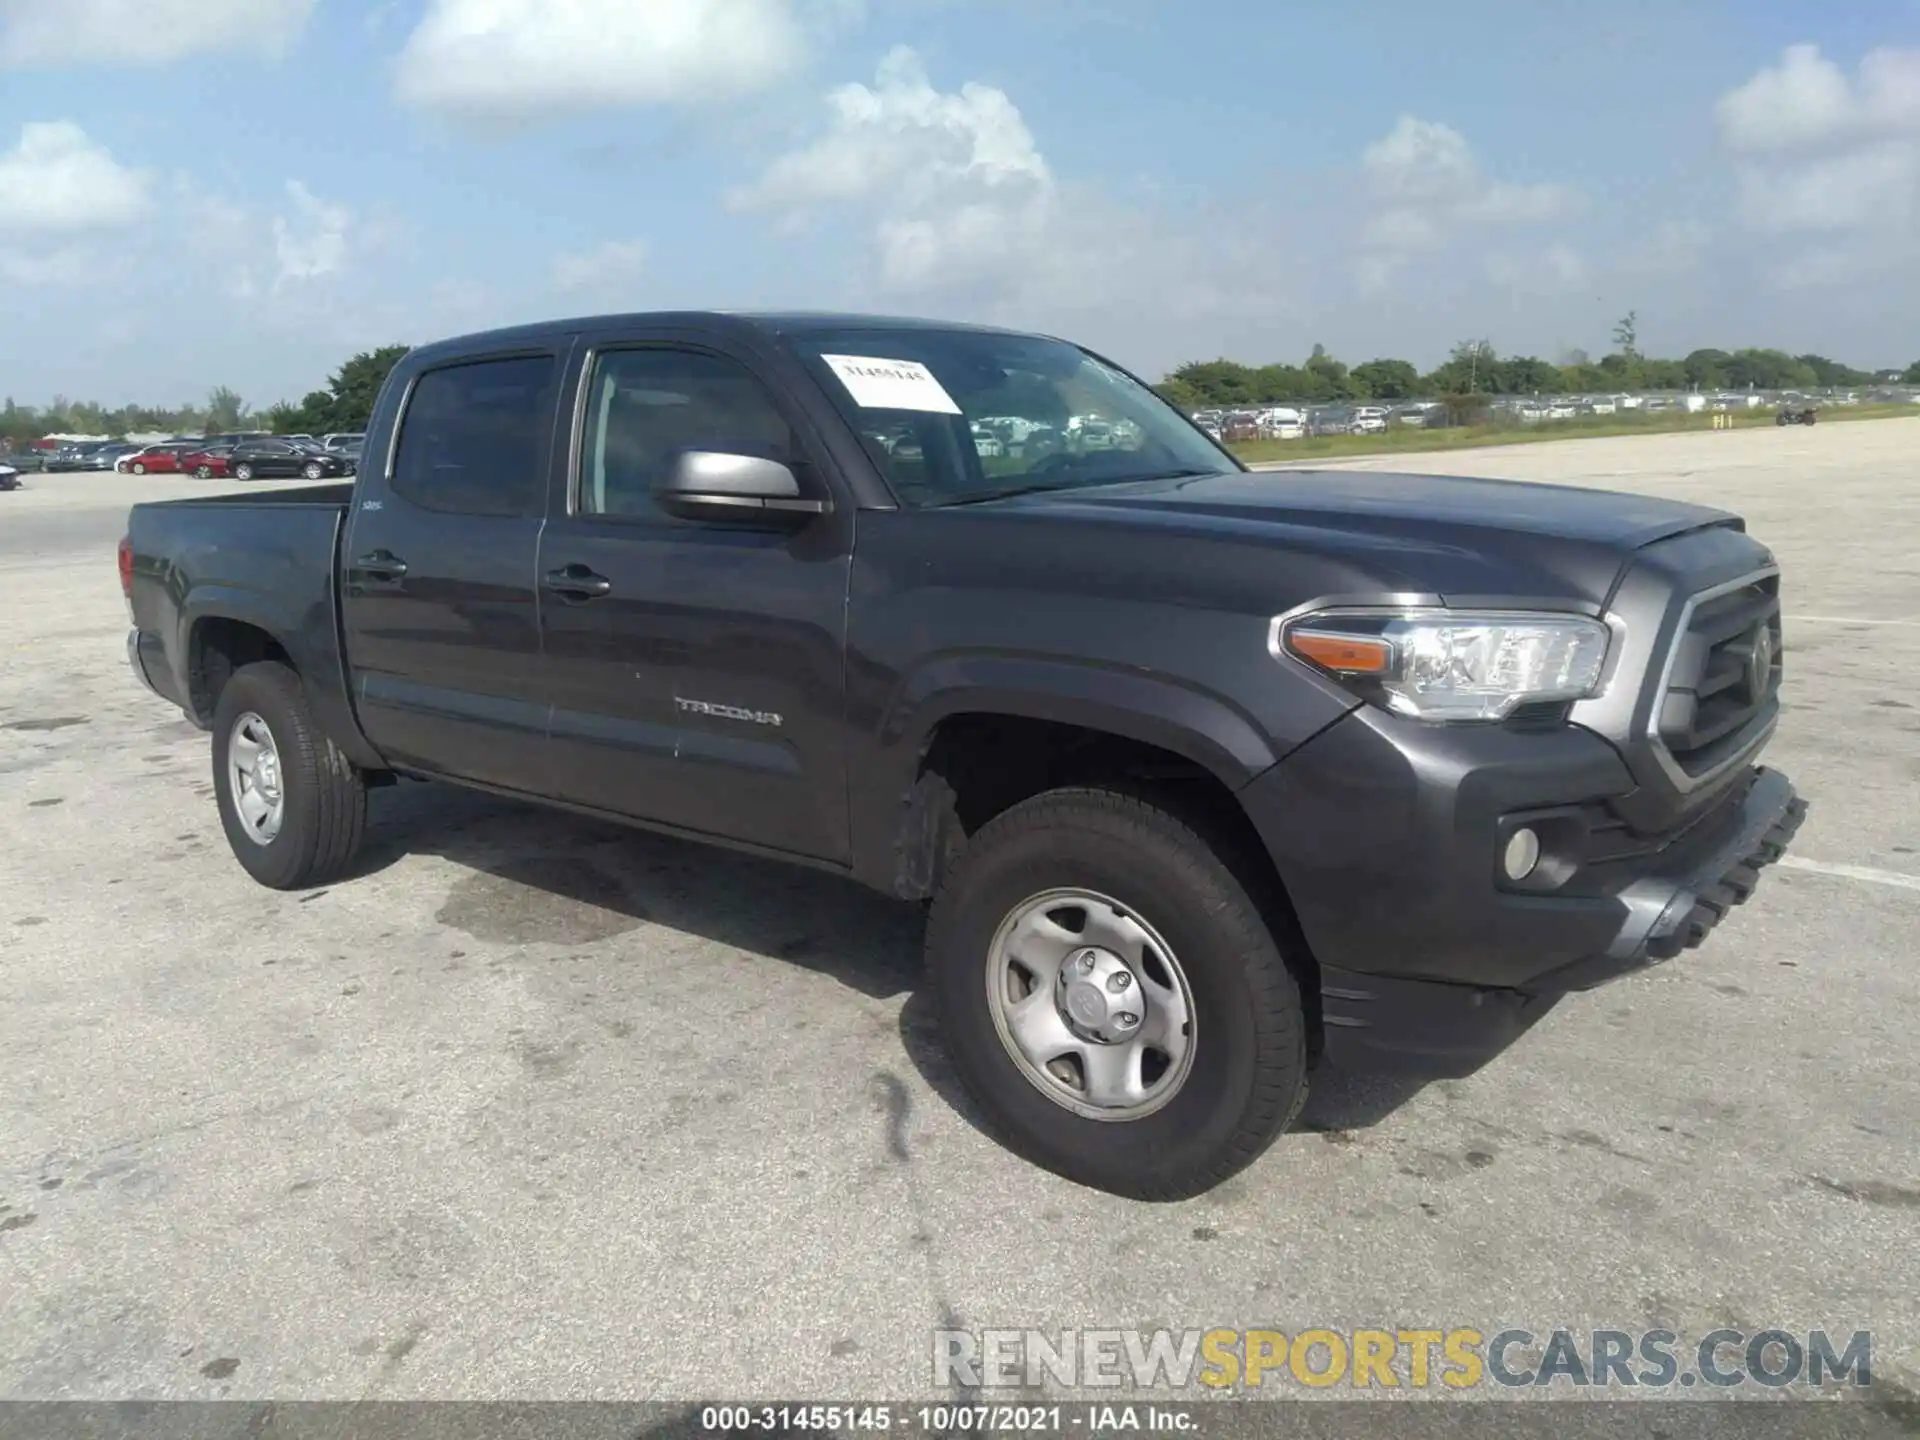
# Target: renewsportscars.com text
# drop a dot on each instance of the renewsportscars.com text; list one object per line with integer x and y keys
{"x": 1454, "y": 1359}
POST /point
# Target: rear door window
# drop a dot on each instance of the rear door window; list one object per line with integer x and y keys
{"x": 476, "y": 437}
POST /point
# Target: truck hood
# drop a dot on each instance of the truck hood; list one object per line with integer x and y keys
{"x": 1459, "y": 537}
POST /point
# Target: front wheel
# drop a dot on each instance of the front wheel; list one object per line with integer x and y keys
{"x": 294, "y": 808}
{"x": 243, "y": 472}
{"x": 1112, "y": 997}
{"x": 139, "y": 469}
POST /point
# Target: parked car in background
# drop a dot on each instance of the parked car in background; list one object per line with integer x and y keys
{"x": 206, "y": 462}
{"x": 163, "y": 459}
{"x": 108, "y": 457}
{"x": 284, "y": 459}
{"x": 24, "y": 462}
{"x": 73, "y": 454}
{"x": 343, "y": 441}
{"x": 9, "y": 477}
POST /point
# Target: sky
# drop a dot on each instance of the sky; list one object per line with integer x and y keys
{"x": 196, "y": 193}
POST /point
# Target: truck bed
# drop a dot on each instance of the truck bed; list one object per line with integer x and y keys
{"x": 268, "y": 560}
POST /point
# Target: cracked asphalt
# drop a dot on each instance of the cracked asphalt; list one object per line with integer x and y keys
{"x": 538, "y": 1108}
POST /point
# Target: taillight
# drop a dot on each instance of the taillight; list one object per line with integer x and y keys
{"x": 126, "y": 566}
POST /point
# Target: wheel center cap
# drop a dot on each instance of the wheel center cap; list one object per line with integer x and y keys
{"x": 1087, "y": 1004}
{"x": 1099, "y": 996}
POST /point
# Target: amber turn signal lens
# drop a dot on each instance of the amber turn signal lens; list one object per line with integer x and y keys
{"x": 1346, "y": 654}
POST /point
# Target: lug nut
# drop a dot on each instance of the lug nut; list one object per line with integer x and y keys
{"x": 1117, "y": 983}
{"x": 1087, "y": 962}
{"x": 1126, "y": 1020}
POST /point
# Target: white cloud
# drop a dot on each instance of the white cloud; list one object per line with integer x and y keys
{"x": 611, "y": 262}
{"x": 1427, "y": 186}
{"x": 902, "y": 136}
{"x": 313, "y": 243}
{"x": 144, "y": 32}
{"x": 529, "y": 59}
{"x": 953, "y": 185}
{"x": 957, "y": 211}
{"x": 1807, "y": 101}
{"x": 1830, "y": 158}
{"x": 59, "y": 180}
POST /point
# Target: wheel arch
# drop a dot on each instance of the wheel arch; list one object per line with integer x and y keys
{"x": 224, "y": 628}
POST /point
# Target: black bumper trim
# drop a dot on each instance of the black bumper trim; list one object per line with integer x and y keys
{"x": 1420, "y": 1027}
{"x": 1442, "y": 1031}
{"x": 1670, "y": 913}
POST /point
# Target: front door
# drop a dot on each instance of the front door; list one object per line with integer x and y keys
{"x": 440, "y": 606}
{"x": 696, "y": 669}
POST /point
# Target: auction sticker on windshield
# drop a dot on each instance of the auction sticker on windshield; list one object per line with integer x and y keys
{"x": 877, "y": 384}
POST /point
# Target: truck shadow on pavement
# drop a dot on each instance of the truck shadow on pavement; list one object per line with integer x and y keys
{"x": 536, "y": 875}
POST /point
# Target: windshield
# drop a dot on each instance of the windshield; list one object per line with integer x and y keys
{"x": 952, "y": 416}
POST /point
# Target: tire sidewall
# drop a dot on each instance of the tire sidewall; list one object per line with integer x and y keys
{"x": 276, "y": 702}
{"x": 1172, "y": 890}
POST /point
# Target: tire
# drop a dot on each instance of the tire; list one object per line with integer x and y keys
{"x": 324, "y": 810}
{"x": 243, "y": 472}
{"x": 139, "y": 469}
{"x": 314, "y": 471}
{"x": 1247, "y": 1057}
{"x": 203, "y": 472}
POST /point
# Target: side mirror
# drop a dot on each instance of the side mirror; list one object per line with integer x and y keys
{"x": 734, "y": 490}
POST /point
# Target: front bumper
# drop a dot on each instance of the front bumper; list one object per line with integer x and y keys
{"x": 1388, "y": 834}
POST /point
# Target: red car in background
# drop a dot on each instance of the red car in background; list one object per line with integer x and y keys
{"x": 154, "y": 460}
{"x": 206, "y": 464}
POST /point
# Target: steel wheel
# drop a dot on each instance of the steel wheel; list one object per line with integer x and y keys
{"x": 254, "y": 776}
{"x": 1091, "y": 1004}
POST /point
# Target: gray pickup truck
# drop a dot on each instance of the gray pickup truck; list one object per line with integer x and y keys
{"x": 1206, "y": 777}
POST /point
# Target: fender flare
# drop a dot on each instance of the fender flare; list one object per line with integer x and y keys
{"x": 311, "y": 642}
{"x": 899, "y": 825}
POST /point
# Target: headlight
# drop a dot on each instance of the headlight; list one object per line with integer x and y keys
{"x": 1452, "y": 664}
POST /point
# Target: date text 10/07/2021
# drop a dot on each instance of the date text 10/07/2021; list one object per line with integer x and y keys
{"x": 949, "y": 1419}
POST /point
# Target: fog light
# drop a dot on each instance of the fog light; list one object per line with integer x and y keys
{"x": 1523, "y": 853}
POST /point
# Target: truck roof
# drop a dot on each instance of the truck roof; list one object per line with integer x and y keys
{"x": 777, "y": 322}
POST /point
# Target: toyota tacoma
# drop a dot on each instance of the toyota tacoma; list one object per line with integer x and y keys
{"x": 1205, "y": 777}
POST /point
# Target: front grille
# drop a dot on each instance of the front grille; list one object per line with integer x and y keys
{"x": 1723, "y": 676}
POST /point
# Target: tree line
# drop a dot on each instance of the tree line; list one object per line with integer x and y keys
{"x": 1475, "y": 368}
{"x": 345, "y": 403}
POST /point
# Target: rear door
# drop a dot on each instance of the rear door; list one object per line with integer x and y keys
{"x": 697, "y": 669}
{"x": 438, "y": 595}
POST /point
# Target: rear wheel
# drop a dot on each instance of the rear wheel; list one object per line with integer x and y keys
{"x": 314, "y": 470}
{"x": 294, "y": 808}
{"x": 1113, "y": 998}
{"x": 139, "y": 469}
{"x": 203, "y": 472}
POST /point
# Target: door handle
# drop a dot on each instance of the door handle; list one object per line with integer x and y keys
{"x": 577, "y": 582}
{"x": 381, "y": 565}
